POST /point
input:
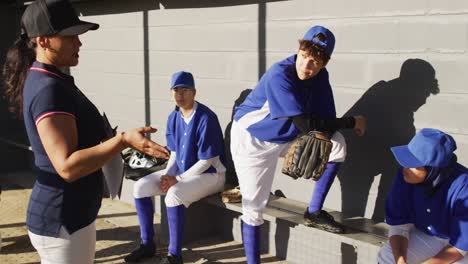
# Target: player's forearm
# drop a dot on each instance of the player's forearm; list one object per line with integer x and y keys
{"x": 448, "y": 254}
{"x": 171, "y": 168}
{"x": 85, "y": 161}
{"x": 198, "y": 168}
{"x": 306, "y": 123}
{"x": 399, "y": 246}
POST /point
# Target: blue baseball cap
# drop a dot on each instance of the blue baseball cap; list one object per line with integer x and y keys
{"x": 182, "y": 79}
{"x": 429, "y": 147}
{"x": 328, "y": 44}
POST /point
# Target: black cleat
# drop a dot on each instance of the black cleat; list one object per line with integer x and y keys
{"x": 324, "y": 221}
{"x": 141, "y": 253}
{"x": 169, "y": 259}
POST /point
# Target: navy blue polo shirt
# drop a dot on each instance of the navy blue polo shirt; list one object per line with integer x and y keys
{"x": 54, "y": 202}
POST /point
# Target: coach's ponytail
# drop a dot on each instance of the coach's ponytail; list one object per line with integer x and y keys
{"x": 18, "y": 60}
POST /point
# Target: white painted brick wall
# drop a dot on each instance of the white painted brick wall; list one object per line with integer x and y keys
{"x": 448, "y": 7}
{"x": 220, "y": 15}
{"x": 208, "y": 38}
{"x": 451, "y": 72}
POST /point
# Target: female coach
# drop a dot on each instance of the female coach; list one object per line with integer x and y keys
{"x": 65, "y": 130}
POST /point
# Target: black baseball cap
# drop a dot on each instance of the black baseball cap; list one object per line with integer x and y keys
{"x": 53, "y": 17}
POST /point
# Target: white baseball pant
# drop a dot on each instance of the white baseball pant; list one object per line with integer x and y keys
{"x": 420, "y": 247}
{"x": 255, "y": 163}
{"x": 186, "y": 191}
{"x": 77, "y": 248}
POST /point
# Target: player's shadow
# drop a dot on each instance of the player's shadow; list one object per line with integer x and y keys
{"x": 389, "y": 107}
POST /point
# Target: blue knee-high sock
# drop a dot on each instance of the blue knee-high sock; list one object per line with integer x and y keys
{"x": 145, "y": 211}
{"x": 251, "y": 239}
{"x": 322, "y": 186}
{"x": 176, "y": 220}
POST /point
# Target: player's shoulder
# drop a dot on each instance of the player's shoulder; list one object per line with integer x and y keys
{"x": 205, "y": 112}
{"x": 282, "y": 73}
{"x": 462, "y": 177}
{"x": 285, "y": 68}
{"x": 173, "y": 114}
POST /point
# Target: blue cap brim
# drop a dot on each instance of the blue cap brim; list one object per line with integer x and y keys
{"x": 405, "y": 158}
{"x": 182, "y": 85}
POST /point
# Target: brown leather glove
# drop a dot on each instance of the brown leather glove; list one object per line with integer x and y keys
{"x": 307, "y": 156}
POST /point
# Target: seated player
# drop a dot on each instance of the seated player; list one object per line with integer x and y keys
{"x": 194, "y": 169}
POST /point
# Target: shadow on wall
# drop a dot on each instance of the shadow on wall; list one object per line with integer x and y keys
{"x": 389, "y": 107}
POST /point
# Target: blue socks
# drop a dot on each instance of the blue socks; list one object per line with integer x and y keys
{"x": 176, "y": 221}
{"x": 322, "y": 186}
{"x": 145, "y": 211}
{"x": 251, "y": 239}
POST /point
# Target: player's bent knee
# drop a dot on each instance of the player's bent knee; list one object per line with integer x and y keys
{"x": 173, "y": 199}
{"x": 338, "y": 152}
{"x": 252, "y": 218}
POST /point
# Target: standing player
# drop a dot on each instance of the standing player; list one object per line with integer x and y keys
{"x": 194, "y": 169}
{"x": 427, "y": 208}
{"x": 294, "y": 96}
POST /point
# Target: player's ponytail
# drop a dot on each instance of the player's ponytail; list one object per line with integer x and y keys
{"x": 18, "y": 60}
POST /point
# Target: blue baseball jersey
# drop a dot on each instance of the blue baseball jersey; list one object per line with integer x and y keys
{"x": 280, "y": 94}
{"x": 443, "y": 214}
{"x": 200, "y": 139}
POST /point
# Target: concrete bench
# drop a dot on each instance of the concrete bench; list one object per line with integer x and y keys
{"x": 284, "y": 234}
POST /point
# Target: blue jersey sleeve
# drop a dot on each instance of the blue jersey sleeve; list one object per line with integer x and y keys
{"x": 52, "y": 99}
{"x": 459, "y": 223}
{"x": 170, "y": 132}
{"x": 397, "y": 206}
{"x": 282, "y": 101}
{"x": 209, "y": 138}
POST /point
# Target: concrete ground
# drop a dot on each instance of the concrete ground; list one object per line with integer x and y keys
{"x": 117, "y": 231}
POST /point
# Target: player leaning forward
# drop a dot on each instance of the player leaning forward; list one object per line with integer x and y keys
{"x": 194, "y": 169}
{"x": 294, "y": 96}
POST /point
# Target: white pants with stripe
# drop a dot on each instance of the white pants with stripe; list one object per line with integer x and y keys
{"x": 77, "y": 248}
{"x": 420, "y": 247}
{"x": 255, "y": 162}
{"x": 186, "y": 191}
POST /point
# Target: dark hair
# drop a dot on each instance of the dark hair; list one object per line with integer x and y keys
{"x": 18, "y": 60}
{"x": 315, "y": 50}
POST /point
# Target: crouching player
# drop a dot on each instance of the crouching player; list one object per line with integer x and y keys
{"x": 427, "y": 208}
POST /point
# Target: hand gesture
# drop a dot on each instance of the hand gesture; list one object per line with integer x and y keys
{"x": 167, "y": 182}
{"x": 136, "y": 139}
{"x": 360, "y": 125}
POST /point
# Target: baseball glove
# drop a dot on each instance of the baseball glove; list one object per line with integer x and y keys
{"x": 307, "y": 156}
{"x": 232, "y": 195}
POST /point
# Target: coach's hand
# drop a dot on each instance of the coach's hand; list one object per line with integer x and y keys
{"x": 360, "y": 125}
{"x": 167, "y": 182}
{"x": 136, "y": 139}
